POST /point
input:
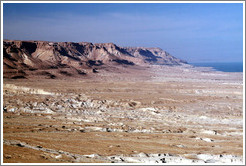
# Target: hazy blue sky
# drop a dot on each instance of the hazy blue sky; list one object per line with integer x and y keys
{"x": 193, "y": 32}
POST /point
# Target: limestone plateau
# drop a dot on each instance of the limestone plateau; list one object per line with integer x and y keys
{"x": 22, "y": 59}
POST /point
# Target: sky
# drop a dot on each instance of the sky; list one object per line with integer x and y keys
{"x": 195, "y": 32}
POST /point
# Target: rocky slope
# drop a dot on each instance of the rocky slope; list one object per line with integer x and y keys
{"x": 21, "y": 59}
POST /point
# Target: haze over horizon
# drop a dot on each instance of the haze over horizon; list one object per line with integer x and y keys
{"x": 210, "y": 32}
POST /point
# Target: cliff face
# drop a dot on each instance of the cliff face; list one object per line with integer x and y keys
{"x": 22, "y": 56}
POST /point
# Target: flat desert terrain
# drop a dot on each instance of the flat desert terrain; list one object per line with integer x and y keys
{"x": 158, "y": 114}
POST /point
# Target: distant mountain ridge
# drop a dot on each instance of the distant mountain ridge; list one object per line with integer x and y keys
{"x": 22, "y": 56}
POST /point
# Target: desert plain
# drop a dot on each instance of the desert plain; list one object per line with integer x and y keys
{"x": 155, "y": 114}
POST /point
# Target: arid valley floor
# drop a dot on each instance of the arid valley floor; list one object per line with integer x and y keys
{"x": 161, "y": 114}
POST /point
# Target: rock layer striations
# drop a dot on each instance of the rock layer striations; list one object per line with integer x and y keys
{"x": 51, "y": 59}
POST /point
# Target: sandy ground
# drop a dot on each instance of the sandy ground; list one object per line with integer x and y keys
{"x": 154, "y": 115}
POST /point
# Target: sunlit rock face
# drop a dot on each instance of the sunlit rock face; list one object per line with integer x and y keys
{"x": 24, "y": 58}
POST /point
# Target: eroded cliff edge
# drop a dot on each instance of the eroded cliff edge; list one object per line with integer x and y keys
{"x": 22, "y": 59}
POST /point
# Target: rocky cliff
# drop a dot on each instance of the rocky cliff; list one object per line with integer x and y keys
{"x": 69, "y": 58}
